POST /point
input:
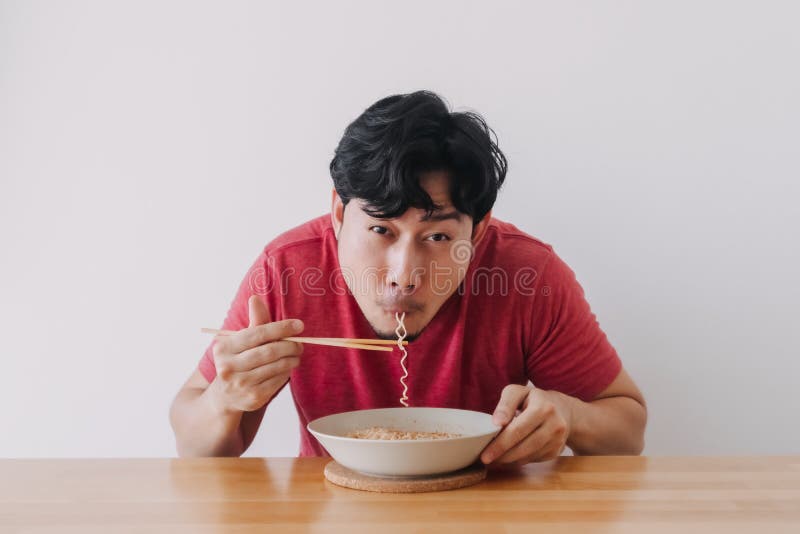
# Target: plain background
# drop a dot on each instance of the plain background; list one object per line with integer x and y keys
{"x": 149, "y": 150}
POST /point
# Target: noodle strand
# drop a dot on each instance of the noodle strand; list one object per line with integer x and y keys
{"x": 401, "y": 335}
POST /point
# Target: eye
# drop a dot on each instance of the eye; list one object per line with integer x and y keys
{"x": 438, "y": 237}
{"x": 378, "y": 229}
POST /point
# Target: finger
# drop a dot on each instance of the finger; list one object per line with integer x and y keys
{"x": 510, "y": 436}
{"x": 532, "y": 446}
{"x": 260, "y": 394}
{"x": 264, "y": 354}
{"x": 550, "y": 451}
{"x": 516, "y": 431}
{"x": 270, "y": 386}
{"x": 266, "y": 372}
{"x": 511, "y": 397}
{"x": 260, "y": 334}
{"x": 257, "y": 311}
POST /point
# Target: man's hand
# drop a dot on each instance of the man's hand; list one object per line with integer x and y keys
{"x": 253, "y": 364}
{"x": 538, "y": 433}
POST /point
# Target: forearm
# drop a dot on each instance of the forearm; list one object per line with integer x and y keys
{"x": 613, "y": 425}
{"x": 201, "y": 428}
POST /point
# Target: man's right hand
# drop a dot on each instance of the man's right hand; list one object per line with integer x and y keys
{"x": 253, "y": 364}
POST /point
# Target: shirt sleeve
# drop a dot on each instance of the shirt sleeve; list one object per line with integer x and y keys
{"x": 568, "y": 351}
{"x": 255, "y": 282}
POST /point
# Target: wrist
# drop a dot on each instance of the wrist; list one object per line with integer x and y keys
{"x": 216, "y": 402}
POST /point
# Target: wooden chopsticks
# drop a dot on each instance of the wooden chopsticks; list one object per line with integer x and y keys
{"x": 346, "y": 342}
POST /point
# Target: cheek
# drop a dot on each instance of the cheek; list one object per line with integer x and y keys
{"x": 365, "y": 253}
{"x": 361, "y": 261}
{"x": 445, "y": 269}
{"x": 352, "y": 248}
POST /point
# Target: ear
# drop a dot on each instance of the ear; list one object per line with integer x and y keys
{"x": 479, "y": 230}
{"x": 337, "y": 213}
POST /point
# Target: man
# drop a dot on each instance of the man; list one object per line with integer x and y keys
{"x": 488, "y": 308}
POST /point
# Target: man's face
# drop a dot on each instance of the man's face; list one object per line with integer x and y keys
{"x": 409, "y": 264}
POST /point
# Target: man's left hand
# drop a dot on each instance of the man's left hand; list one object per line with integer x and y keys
{"x": 538, "y": 433}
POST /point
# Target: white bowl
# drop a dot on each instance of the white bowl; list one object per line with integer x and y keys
{"x": 406, "y": 457}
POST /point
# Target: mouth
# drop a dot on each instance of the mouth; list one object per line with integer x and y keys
{"x": 389, "y": 317}
{"x": 398, "y": 311}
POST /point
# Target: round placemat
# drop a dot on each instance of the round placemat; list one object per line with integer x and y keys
{"x": 342, "y": 476}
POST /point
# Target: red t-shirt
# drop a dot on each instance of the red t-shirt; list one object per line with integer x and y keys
{"x": 531, "y": 323}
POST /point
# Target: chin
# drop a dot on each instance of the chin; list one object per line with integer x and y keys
{"x": 383, "y": 330}
{"x": 385, "y": 334}
{"x": 388, "y": 332}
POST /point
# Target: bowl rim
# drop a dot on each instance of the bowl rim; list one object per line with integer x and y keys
{"x": 318, "y": 433}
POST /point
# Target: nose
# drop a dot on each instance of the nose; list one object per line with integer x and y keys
{"x": 405, "y": 273}
{"x": 405, "y": 289}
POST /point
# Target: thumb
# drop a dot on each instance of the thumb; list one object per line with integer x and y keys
{"x": 512, "y": 396}
{"x": 258, "y": 311}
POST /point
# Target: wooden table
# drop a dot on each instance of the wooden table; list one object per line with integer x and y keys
{"x": 608, "y": 494}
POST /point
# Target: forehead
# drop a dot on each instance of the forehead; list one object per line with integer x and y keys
{"x": 437, "y": 185}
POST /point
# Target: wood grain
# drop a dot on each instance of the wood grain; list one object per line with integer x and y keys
{"x": 572, "y": 494}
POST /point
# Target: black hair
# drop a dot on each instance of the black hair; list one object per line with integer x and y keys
{"x": 383, "y": 152}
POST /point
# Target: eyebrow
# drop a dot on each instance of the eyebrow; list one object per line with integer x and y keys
{"x": 441, "y": 216}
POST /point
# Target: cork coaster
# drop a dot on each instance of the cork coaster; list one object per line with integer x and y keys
{"x": 342, "y": 476}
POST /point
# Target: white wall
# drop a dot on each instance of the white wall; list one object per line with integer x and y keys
{"x": 148, "y": 150}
